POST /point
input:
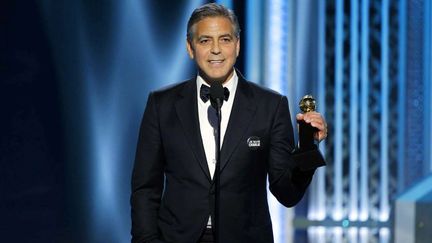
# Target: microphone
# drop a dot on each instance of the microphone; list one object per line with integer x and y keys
{"x": 216, "y": 95}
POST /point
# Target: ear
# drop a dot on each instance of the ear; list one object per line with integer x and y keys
{"x": 238, "y": 46}
{"x": 190, "y": 49}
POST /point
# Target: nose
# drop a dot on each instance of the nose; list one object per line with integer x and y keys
{"x": 215, "y": 48}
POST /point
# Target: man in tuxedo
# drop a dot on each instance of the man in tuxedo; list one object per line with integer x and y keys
{"x": 173, "y": 189}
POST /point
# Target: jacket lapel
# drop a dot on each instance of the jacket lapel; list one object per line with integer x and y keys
{"x": 187, "y": 111}
{"x": 242, "y": 112}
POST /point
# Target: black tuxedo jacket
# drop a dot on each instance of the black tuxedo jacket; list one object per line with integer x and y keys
{"x": 172, "y": 191}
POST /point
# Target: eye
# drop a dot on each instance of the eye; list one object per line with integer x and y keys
{"x": 226, "y": 40}
{"x": 204, "y": 41}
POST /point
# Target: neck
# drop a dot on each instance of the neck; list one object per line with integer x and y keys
{"x": 221, "y": 80}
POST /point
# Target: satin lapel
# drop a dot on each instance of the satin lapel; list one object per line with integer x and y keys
{"x": 242, "y": 112}
{"x": 187, "y": 111}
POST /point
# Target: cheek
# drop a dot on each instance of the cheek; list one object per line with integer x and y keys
{"x": 202, "y": 55}
{"x": 233, "y": 51}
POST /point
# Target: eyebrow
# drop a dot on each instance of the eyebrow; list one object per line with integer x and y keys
{"x": 208, "y": 36}
{"x": 226, "y": 35}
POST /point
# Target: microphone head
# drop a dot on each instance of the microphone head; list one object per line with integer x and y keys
{"x": 216, "y": 95}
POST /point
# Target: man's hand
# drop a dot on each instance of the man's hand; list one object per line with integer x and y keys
{"x": 315, "y": 120}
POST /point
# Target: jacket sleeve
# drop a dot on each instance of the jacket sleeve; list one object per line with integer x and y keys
{"x": 147, "y": 177}
{"x": 290, "y": 173}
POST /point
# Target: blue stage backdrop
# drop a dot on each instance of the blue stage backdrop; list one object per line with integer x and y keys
{"x": 76, "y": 76}
{"x": 109, "y": 56}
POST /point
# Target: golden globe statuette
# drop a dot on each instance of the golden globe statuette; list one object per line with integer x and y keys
{"x": 306, "y": 131}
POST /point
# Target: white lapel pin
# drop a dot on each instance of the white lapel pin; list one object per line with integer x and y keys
{"x": 254, "y": 142}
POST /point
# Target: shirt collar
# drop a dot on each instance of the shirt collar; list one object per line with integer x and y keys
{"x": 231, "y": 84}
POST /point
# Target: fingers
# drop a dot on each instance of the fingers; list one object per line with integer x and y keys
{"x": 299, "y": 116}
{"x": 319, "y": 124}
{"x": 320, "y": 135}
{"x": 315, "y": 120}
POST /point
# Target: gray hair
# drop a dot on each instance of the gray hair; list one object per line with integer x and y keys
{"x": 211, "y": 10}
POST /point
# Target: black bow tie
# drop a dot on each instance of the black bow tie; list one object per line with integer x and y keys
{"x": 205, "y": 93}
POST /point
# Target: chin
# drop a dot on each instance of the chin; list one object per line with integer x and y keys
{"x": 218, "y": 76}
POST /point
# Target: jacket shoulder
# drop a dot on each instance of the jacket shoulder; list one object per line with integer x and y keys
{"x": 264, "y": 92}
{"x": 170, "y": 89}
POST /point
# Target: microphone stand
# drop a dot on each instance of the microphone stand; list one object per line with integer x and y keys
{"x": 217, "y": 171}
{"x": 217, "y": 99}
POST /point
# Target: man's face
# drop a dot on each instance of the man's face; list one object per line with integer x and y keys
{"x": 215, "y": 48}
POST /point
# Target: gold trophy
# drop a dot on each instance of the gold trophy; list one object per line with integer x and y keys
{"x": 306, "y": 131}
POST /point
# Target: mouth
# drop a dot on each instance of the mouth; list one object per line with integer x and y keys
{"x": 216, "y": 62}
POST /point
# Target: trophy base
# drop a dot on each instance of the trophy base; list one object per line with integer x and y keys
{"x": 306, "y": 136}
